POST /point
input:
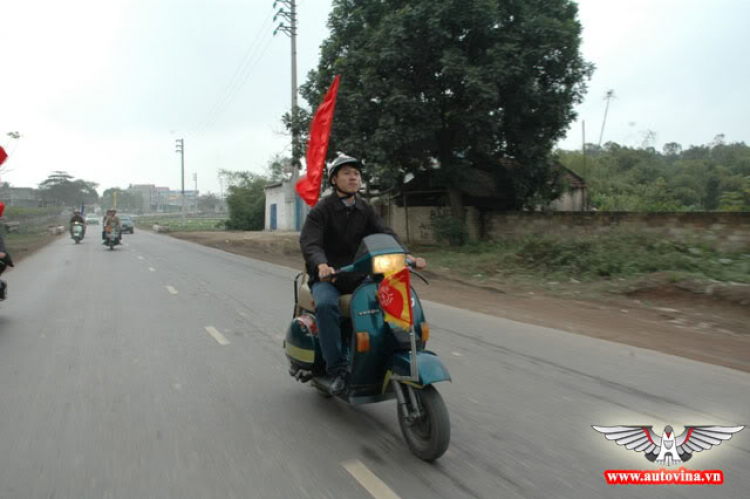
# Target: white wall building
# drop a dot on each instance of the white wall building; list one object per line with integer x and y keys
{"x": 284, "y": 209}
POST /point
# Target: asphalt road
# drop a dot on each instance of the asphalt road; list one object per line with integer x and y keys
{"x": 156, "y": 371}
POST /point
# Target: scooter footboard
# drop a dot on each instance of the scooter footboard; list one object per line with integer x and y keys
{"x": 430, "y": 368}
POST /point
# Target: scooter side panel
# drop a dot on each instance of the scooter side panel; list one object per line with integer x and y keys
{"x": 300, "y": 345}
{"x": 429, "y": 366}
{"x": 369, "y": 368}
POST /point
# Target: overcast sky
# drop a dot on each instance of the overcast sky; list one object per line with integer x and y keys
{"x": 101, "y": 89}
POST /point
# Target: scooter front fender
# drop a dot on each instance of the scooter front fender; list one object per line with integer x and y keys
{"x": 429, "y": 368}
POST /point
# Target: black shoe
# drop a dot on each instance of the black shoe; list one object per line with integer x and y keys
{"x": 339, "y": 384}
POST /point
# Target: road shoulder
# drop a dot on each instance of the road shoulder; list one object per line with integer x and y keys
{"x": 706, "y": 332}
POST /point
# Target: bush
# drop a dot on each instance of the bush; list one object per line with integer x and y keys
{"x": 450, "y": 230}
{"x": 592, "y": 258}
{"x": 247, "y": 203}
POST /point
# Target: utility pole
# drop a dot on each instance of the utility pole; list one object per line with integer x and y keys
{"x": 289, "y": 14}
{"x": 583, "y": 148}
{"x": 195, "y": 179}
{"x": 290, "y": 28}
{"x": 181, "y": 151}
{"x": 608, "y": 97}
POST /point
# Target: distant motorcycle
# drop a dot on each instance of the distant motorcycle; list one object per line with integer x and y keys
{"x": 77, "y": 232}
{"x": 112, "y": 237}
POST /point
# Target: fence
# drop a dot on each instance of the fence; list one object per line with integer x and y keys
{"x": 724, "y": 230}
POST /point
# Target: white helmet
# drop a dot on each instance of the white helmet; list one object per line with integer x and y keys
{"x": 339, "y": 162}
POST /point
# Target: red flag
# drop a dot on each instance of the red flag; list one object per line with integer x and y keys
{"x": 308, "y": 186}
{"x": 3, "y": 155}
{"x": 394, "y": 295}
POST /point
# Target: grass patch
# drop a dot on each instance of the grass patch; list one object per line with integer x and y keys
{"x": 21, "y": 245}
{"x": 32, "y": 233}
{"x": 589, "y": 259}
{"x": 177, "y": 224}
{"x": 19, "y": 214}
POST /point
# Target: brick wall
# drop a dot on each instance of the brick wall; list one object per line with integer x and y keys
{"x": 726, "y": 231}
{"x": 420, "y": 222}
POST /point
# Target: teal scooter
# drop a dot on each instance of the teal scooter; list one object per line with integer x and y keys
{"x": 385, "y": 361}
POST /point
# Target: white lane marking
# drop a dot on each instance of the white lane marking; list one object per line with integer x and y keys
{"x": 220, "y": 339}
{"x": 140, "y": 257}
{"x": 172, "y": 290}
{"x": 151, "y": 269}
{"x": 367, "y": 479}
{"x": 457, "y": 354}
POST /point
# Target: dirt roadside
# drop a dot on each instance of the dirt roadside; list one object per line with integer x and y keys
{"x": 21, "y": 246}
{"x": 669, "y": 319}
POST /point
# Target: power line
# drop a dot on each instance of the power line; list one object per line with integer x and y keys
{"x": 234, "y": 93}
{"x": 241, "y": 69}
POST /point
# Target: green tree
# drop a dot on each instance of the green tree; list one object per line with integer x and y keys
{"x": 278, "y": 167}
{"x": 737, "y": 199}
{"x": 62, "y": 189}
{"x": 463, "y": 82}
{"x": 246, "y": 200}
{"x": 708, "y": 177}
{"x": 208, "y": 203}
{"x": 672, "y": 149}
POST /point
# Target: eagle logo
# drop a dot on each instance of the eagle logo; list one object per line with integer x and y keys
{"x": 668, "y": 449}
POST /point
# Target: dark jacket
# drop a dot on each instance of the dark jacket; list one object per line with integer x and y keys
{"x": 332, "y": 234}
{"x": 77, "y": 218}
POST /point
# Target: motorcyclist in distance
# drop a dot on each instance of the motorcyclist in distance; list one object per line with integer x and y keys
{"x": 77, "y": 217}
{"x": 5, "y": 259}
{"x": 330, "y": 238}
{"x": 112, "y": 221}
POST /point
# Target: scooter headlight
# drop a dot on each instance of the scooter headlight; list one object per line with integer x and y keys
{"x": 388, "y": 264}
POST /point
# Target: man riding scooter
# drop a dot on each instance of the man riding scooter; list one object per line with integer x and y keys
{"x": 77, "y": 217}
{"x": 330, "y": 237}
{"x": 112, "y": 221}
{"x": 5, "y": 260}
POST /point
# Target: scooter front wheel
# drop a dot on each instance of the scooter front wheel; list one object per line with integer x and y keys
{"x": 428, "y": 435}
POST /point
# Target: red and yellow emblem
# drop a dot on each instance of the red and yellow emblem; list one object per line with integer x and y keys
{"x": 394, "y": 297}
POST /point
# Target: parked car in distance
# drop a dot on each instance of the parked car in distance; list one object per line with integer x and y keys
{"x": 127, "y": 224}
{"x": 92, "y": 220}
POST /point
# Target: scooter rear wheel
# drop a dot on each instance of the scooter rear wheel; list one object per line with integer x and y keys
{"x": 429, "y": 436}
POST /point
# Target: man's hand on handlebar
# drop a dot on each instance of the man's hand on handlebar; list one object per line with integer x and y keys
{"x": 325, "y": 272}
{"x": 417, "y": 263}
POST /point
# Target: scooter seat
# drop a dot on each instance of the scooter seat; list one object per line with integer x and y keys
{"x": 306, "y": 301}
